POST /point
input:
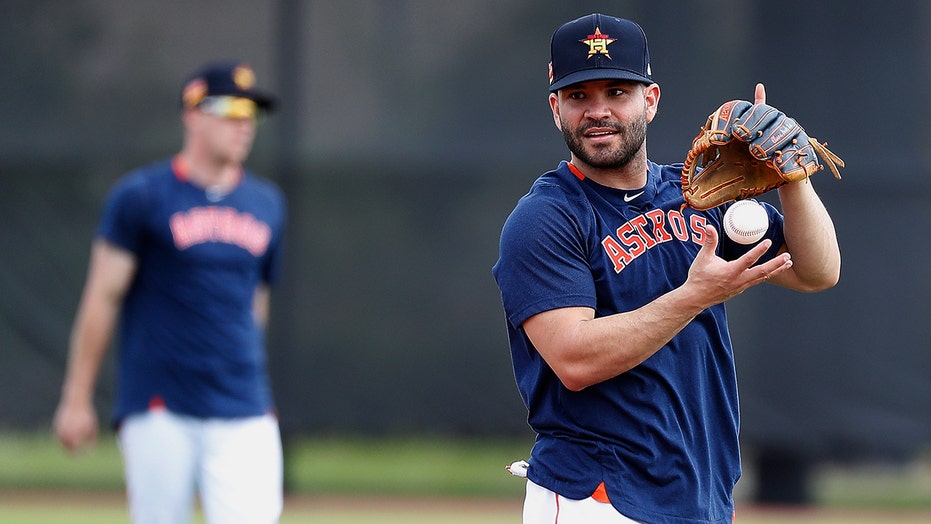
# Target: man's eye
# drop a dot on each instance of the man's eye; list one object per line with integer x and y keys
{"x": 576, "y": 95}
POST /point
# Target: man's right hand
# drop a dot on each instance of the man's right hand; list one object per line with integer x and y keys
{"x": 75, "y": 425}
{"x": 716, "y": 280}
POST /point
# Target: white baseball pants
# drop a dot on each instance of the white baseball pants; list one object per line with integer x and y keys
{"x": 234, "y": 464}
{"x": 542, "y": 506}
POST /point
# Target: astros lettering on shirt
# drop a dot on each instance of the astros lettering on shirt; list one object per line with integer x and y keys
{"x": 188, "y": 339}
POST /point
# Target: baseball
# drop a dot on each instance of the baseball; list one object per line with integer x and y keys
{"x": 746, "y": 222}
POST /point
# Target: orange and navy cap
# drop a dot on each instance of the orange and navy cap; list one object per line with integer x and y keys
{"x": 598, "y": 47}
{"x": 227, "y": 78}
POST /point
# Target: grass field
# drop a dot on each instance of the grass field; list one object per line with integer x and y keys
{"x": 416, "y": 481}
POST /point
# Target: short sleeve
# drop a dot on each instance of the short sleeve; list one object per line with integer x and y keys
{"x": 124, "y": 213}
{"x": 271, "y": 268}
{"x": 544, "y": 257}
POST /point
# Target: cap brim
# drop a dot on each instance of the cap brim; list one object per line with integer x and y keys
{"x": 265, "y": 101}
{"x": 598, "y": 73}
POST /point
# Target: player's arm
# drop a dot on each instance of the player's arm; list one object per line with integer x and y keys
{"x": 809, "y": 233}
{"x": 109, "y": 275}
{"x": 583, "y": 350}
{"x": 261, "y": 305}
{"x": 810, "y": 238}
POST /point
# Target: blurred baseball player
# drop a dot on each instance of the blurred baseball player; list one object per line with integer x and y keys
{"x": 614, "y": 295}
{"x": 181, "y": 264}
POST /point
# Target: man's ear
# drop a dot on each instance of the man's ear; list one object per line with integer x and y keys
{"x": 651, "y": 94}
{"x": 554, "y": 106}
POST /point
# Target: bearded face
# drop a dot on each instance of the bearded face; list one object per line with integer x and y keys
{"x": 592, "y": 143}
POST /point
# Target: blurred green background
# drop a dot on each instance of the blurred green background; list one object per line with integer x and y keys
{"x": 443, "y": 468}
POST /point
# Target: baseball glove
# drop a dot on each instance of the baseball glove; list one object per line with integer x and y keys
{"x": 748, "y": 149}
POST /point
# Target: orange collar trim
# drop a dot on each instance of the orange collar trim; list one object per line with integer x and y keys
{"x": 182, "y": 169}
{"x": 575, "y": 171}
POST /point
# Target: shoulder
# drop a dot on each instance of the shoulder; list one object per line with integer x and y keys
{"x": 556, "y": 210}
{"x": 668, "y": 173}
{"x": 263, "y": 189}
{"x": 554, "y": 190}
{"x": 264, "y": 198}
{"x": 668, "y": 182}
{"x": 142, "y": 181}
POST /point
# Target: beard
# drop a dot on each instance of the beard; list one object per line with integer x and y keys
{"x": 632, "y": 136}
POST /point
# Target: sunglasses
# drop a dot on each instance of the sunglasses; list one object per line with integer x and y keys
{"x": 229, "y": 107}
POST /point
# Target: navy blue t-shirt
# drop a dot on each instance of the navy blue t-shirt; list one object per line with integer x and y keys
{"x": 663, "y": 435}
{"x": 187, "y": 336}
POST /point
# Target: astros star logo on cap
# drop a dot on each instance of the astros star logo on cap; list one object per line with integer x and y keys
{"x": 243, "y": 77}
{"x": 598, "y": 44}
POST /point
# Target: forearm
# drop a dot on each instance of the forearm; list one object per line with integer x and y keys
{"x": 90, "y": 339}
{"x": 109, "y": 276}
{"x": 810, "y": 238}
{"x": 583, "y": 350}
{"x": 609, "y": 346}
{"x": 75, "y": 422}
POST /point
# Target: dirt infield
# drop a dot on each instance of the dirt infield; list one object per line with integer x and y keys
{"x": 300, "y": 503}
{"x": 364, "y": 508}
{"x": 80, "y": 507}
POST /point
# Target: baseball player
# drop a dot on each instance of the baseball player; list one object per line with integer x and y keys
{"x": 181, "y": 267}
{"x": 614, "y": 296}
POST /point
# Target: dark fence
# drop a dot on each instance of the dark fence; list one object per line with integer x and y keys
{"x": 407, "y": 132}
